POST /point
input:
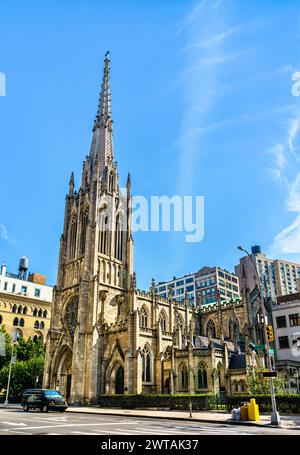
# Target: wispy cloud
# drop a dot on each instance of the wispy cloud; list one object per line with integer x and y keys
{"x": 4, "y": 234}
{"x": 288, "y": 240}
{"x": 286, "y": 154}
{"x": 293, "y": 131}
{"x": 206, "y": 55}
{"x": 278, "y": 154}
{"x": 193, "y": 15}
{"x": 212, "y": 41}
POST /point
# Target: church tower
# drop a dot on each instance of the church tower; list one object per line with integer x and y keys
{"x": 95, "y": 270}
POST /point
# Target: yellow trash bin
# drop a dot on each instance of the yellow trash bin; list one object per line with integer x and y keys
{"x": 253, "y": 411}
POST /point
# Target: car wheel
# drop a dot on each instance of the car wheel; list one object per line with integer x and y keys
{"x": 26, "y": 408}
{"x": 44, "y": 408}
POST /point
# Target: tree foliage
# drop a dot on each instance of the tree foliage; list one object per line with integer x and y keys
{"x": 29, "y": 365}
{"x": 23, "y": 376}
{"x": 256, "y": 386}
{"x": 4, "y": 337}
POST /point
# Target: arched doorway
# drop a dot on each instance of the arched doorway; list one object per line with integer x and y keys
{"x": 167, "y": 386}
{"x": 119, "y": 384}
{"x": 62, "y": 372}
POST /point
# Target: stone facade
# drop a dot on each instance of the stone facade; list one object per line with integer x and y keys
{"x": 107, "y": 336}
{"x": 27, "y": 315}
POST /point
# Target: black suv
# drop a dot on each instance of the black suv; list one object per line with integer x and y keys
{"x": 43, "y": 399}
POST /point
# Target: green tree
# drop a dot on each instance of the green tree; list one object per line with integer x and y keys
{"x": 23, "y": 376}
{"x": 4, "y": 337}
{"x": 29, "y": 365}
{"x": 256, "y": 386}
{"x": 26, "y": 350}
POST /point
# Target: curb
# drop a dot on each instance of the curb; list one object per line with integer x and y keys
{"x": 11, "y": 407}
{"x": 191, "y": 419}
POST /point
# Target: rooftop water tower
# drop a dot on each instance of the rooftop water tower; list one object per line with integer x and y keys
{"x": 23, "y": 267}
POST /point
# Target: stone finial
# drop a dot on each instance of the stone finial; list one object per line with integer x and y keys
{"x": 71, "y": 184}
{"x": 128, "y": 183}
{"x": 186, "y": 298}
{"x": 152, "y": 289}
{"x": 133, "y": 281}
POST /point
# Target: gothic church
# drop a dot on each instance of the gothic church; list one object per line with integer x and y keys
{"x": 108, "y": 337}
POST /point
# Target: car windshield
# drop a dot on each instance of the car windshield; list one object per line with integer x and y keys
{"x": 52, "y": 393}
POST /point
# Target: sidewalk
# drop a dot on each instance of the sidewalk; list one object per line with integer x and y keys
{"x": 198, "y": 416}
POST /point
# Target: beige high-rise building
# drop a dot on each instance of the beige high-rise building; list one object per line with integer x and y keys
{"x": 108, "y": 337}
{"x": 279, "y": 276}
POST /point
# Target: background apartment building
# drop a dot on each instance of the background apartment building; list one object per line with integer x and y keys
{"x": 179, "y": 287}
{"x": 286, "y": 321}
{"x": 25, "y": 302}
{"x": 280, "y": 276}
{"x": 206, "y": 282}
{"x": 209, "y": 279}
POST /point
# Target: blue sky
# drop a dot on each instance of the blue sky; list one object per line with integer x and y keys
{"x": 202, "y": 105}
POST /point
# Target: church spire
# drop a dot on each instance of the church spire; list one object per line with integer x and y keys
{"x": 103, "y": 116}
{"x": 102, "y": 142}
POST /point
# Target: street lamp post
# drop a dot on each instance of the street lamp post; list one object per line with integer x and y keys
{"x": 13, "y": 340}
{"x": 275, "y": 418}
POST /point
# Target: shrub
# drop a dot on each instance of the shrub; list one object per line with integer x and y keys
{"x": 178, "y": 402}
{"x": 286, "y": 404}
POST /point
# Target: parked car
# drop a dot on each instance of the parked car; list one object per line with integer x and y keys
{"x": 43, "y": 399}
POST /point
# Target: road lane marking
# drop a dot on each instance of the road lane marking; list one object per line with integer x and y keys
{"x": 135, "y": 431}
{"x": 77, "y": 425}
{"x": 15, "y": 423}
{"x": 82, "y": 432}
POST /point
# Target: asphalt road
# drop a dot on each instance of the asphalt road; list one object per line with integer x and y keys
{"x": 18, "y": 422}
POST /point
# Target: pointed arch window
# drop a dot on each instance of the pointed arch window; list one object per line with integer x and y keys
{"x": 119, "y": 239}
{"x": 163, "y": 321}
{"x": 14, "y": 309}
{"x": 144, "y": 319}
{"x": 36, "y": 324}
{"x": 84, "y": 223}
{"x": 25, "y": 309}
{"x": 241, "y": 386}
{"x": 42, "y": 325}
{"x": 16, "y": 322}
{"x": 40, "y": 313}
{"x": 202, "y": 376}
{"x": 45, "y": 313}
{"x": 234, "y": 328}
{"x": 103, "y": 235}
{"x": 71, "y": 316}
{"x": 20, "y": 309}
{"x": 73, "y": 236}
{"x": 111, "y": 182}
{"x": 184, "y": 377}
{"x": 146, "y": 365}
{"x": 35, "y": 311}
{"x": 211, "y": 329}
{"x": 22, "y": 322}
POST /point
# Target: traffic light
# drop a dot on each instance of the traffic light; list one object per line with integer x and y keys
{"x": 270, "y": 332}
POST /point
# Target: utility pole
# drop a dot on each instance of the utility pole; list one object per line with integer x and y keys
{"x": 275, "y": 418}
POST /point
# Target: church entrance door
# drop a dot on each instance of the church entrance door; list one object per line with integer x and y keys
{"x": 68, "y": 388}
{"x": 119, "y": 386}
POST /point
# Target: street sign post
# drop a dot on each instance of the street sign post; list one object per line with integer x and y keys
{"x": 265, "y": 375}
